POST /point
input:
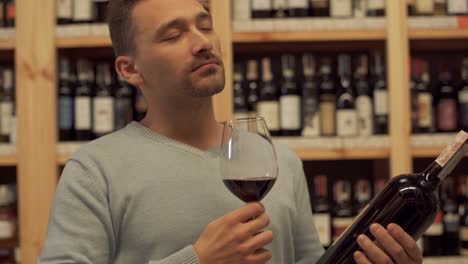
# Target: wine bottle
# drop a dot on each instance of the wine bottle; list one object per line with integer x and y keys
{"x": 346, "y": 114}
{"x": 363, "y": 98}
{"x": 447, "y": 112}
{"x": 290, "y": 99}
{"x": 341, "y": 8}
{"x": 362, "y": 194}
{"x": 298, "y": 8}
{"x": 123, "y": 104}
{"x": 6, "y": 105}
{"x": 64, "y": 11}
{"x": 10, "y": 13}
{"x": 103, "y": 102}
{"x": 100, "y": 6}
{"x": 82, "y": 103}
{"x": 410, "y": 201}
{"x": 414, "y": 79}
{"x": 240, "y": 104}
{"x": 268, "y": 105}
{"x": 261, "y": 8}
{"x": 424, "y": 100}
{"x": 65, "y": 102}
{"x": 380, "y": 96}
{"x": 440, "y": 7}
{"x": 463, "y": 96}
{"x": 451, "y": 219}
{"x": 411, "y": 7}
{"x": 319, "y": 8}
{"x": 310, "y": 97}
{"x": 327, "y": 99}
{"x": 252, "y": 87}
{"x": 2, "y": 13}
{"x": 432, "y": 245}
{"x": 375, "y": 8}
{"x": 343, "y": 212}
{"x": 280, "y": 9}
{"x": 457, "y": 7}
{"x": 321, "y": 210}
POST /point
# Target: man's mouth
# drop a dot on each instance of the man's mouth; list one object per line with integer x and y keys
{"x": 206, "y": 63}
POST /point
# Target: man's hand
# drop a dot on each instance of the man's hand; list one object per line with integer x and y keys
{"x": 236, "y": 238}
{"x": 392, "y": 245}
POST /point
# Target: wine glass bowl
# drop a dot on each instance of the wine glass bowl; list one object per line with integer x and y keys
{"x": 249, "y": 165}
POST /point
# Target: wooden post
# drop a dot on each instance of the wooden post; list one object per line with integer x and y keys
{"x": 399, "y": 93}
{"x": 37, "y": 129}
{"x": 221, "y": 12}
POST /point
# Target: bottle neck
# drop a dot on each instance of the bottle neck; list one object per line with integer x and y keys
{"x": 432, "y": 174}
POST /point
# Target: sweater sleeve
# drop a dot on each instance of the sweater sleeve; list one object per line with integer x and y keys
{"x": 80, "y": 228}
{"x": 307, "y": 246}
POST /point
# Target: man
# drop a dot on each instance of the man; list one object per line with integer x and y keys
{"x": 151, "y": 192}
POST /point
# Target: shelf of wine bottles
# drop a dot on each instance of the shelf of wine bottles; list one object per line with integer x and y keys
{"x": 92, "y": 101}
{"x": 439, "y": 95}
{"x": 338, "y": 201}
{"x": 7, "y": 14}
{"x": 437, "y": 8}
{"x": 314, "y": 96}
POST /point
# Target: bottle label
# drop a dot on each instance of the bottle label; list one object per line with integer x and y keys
{"x": 11, "y": 11}
{"x": 83, "y": 10}
{"x": 261, "y": 5}
{"x": 6, "y": 112}
{"x": 447, "y": 114}
{"x": 346, "y": 120}
{"x": 381, "y": 102}
{"x": 463, "y": 96}
{"x": 65, "y": 112}
{"x": 375, "y": 4}
{"x": 270, "y": 111}
{"x": 327, "y": 118}
{"x": 364, "y": 110}
{"x": 340, "y": 224}
{"x": 457, "y": 6}
{"x": 7, "y": 229}
{"x": 82, "y": 113}
{"x": 451, "y": 222}
{"x": 290, "y": 106}
{"x": 424, "y": 6}
{"x": 323, "y": 226}
{"x": 103, "y": 113}
{"x": 341, "y": 8}
{"x": 424, "y": 110}
{"x": 64, "y": 9}
{"x": 298, "y": 4}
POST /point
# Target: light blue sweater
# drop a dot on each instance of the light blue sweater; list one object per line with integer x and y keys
{"x": 136, "y": 196}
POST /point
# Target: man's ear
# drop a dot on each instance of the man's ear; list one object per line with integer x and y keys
{"x": 125, "y": 67}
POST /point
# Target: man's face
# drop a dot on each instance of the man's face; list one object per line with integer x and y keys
{"x": 177, "y": 51}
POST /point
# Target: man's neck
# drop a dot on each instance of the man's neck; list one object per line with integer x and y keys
{"x": 192, "y": 123}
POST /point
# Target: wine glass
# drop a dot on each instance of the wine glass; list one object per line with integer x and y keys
{"x": 249, "y": 166}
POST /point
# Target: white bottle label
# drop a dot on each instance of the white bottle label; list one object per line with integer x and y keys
{"x": 6, "y": 112}
{"x": 424, "y": 110}
{"x": 298, "y": 4}
{"x": 261, "y": 5}
{"x": 424, "y": 6}
{"x": 463, "y": 97}
{"x": 82, "y": 113}
{"x": 7, "y": 230}
{"x": 323, "y": 226}
{"x": 375, "y": 4}
{"x": 103, "y": 113}
{"x": 64, "y": 9}
{"x": 327, "y": 118}
{"x": 341, "y": 8}
{"x": 290, "y": 106}
{"x": 340, "y": 224}
{"x": 457, "y": 6}
{"x": 346, "y": 120}
{"x": 381, "y": 102}
{"x": 82, "y": 10}
{"x": 270, "y": 111}
{"x": 364, "y": 109}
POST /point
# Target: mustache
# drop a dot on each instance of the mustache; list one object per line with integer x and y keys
{"x": 206, "y": 58}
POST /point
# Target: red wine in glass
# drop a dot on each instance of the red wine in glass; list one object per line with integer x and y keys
{"x": 251, "y": 189}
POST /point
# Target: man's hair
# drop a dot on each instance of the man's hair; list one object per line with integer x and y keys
{"x": 121, "y": 26}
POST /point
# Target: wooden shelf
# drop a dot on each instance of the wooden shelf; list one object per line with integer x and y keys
{"x": 338, "y": 35}
{"x": 7, "y": 38}
{"x": 449, "y": 33}
{"x": 7, "y": 44}
{"x": 430, "y": 145}
{"x": 83, "y": 42}
{"x": 375, "y": 147}
{"x": 8, "y": 155}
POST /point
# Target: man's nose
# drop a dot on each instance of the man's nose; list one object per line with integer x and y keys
{"x": 201, "y": 42}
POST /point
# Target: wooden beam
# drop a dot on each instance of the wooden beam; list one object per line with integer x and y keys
{"x": 399, "y": 93}
{"x": 36, "y": 109}
{"x": 221, "y": 12}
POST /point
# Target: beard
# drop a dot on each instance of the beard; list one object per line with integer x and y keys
{"x": 208, "y": 84}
